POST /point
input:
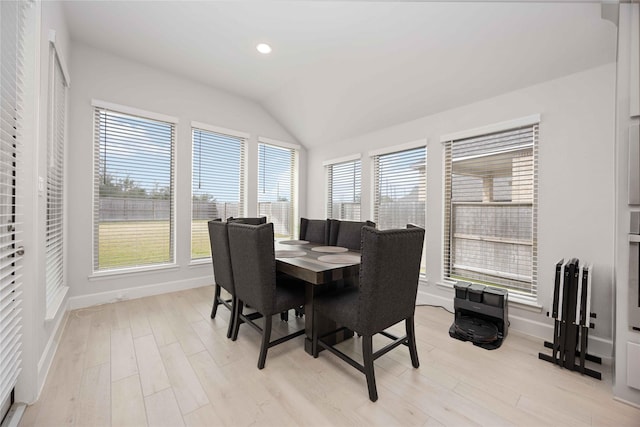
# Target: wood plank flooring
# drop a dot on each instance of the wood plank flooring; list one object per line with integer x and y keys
{"x": 161, "y": 361}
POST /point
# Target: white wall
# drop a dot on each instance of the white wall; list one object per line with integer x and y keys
{"x": 576, "y": 184}
{"x": 103, "y": 76}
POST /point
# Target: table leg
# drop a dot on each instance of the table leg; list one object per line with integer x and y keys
{"x": 323, "y": 324}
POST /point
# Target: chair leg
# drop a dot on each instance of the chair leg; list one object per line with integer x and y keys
{"x": 411, "y": 341}
{"x": 232, "y": 316}
{"x": 367, "y": 356}
{"x": 216, "y": 301}
{"x": 236, "y": 320}
{"x": 284, "y": 316}
{"x": 266, "y": 336}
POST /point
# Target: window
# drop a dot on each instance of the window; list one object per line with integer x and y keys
{"x": 343, "y": 195}
{"x": 12, "y": 39}
{"x": 491, "y": 209}
{"x": 54, "y": 271}
{"x": 400, "y": 188}
{"x": 217, "y": 181}
{"x": 134, "y": 188}
{"x": 277, "y": 169}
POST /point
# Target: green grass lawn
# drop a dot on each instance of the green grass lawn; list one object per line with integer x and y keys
{"x": 134, "y": 243}
{"x": 200, "y": 247}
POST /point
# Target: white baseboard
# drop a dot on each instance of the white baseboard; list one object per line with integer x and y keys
{"x": 46, "y": 360}
{"x": 427, "y": 298}
{"x": 83, "y": 301}
{"x": 597, "y": 346}
{"x": 626, "y": 402}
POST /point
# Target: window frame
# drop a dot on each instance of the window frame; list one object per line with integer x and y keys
{"x": 412, "y": 145}
{"x": 55, "y": 281}
{"x": 328, "y": 167}
{"x": 294, "y": 192}
{"x": 447, "y": 140}
{"x": 391, "y": 150}
{"x": 145, "y": 115}
{"x": 235, "y": 134}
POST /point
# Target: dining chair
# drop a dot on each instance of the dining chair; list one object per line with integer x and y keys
{"x": 347, "y": 233}
{"x": 256, "y": 283}
{"x": 314, "y": 230}
{"x": 251, "y": 221}
{"x": 389, "y": 272}
{"x": 223, "y": 274}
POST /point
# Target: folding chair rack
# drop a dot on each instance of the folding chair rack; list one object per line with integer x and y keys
{"x": 571, "y": 312}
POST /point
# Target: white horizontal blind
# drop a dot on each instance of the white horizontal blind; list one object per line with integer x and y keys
{"x": 134, "y": 191}
{"x": 491, "y": 209}
{"x": 344, "y": 191}
{"x": 217, "y": 184}
{"x": 276, "y": 187}
{"x": 12, "y": 31}
{"x": 55, "y": 180}
{"x": 400, "y": 188}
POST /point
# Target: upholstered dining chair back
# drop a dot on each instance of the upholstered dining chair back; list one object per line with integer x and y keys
{"x": 219, "y": 241}
{"x": 250, "y": 221}
{"x": 314, "y": 230}
{"x": 254, "y": 265}
{"x": 222, "y": 271}
{"x": 347, "y": 233}
{"x": 389, "y": 273}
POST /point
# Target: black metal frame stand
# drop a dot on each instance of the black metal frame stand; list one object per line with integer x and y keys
{"x": 570, "y": 332}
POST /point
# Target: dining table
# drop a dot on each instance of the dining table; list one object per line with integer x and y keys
{"x": 322, "y": 268}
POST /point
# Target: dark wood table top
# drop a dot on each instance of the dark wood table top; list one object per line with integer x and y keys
{"x": 310, "y": 269}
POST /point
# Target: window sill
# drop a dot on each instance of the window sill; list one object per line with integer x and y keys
{"x": 200, "y": 262}
{"x": 519, "y": 301}
{"x": 56, "y": 304}
{"x": 131, "y": 271}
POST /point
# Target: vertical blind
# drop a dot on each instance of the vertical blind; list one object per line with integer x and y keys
{"x": 134, "y": 190}
{"x": 276, "y": 187}
{"x": 217, "y": 184}
{"x": 343, "y": 198}
{"x": 55, "y": 180}
{"x": 491, "y": 209}
{"x": 12, "y": 31}
{"x": 400, "y": 188}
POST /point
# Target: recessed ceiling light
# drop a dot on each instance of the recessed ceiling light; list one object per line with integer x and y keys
{"x": 263, "y": 48}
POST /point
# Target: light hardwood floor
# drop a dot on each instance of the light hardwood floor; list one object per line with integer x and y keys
{"x": 161, "y": 361}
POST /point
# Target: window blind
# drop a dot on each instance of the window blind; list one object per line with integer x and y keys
{"x": 400, "y": 188}
{"x": 277, "y": 167}
{"x": 491, "y": 209}
{"x": 134, "y": 190}
{"x": 218, "y": 184}
{"x": 12, "y": 32}
{"x": 54, "y": 271}
{"x": 344, "y": 191}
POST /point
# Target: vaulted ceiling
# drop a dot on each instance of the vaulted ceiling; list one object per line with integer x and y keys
{"x": 340, "y": 69}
